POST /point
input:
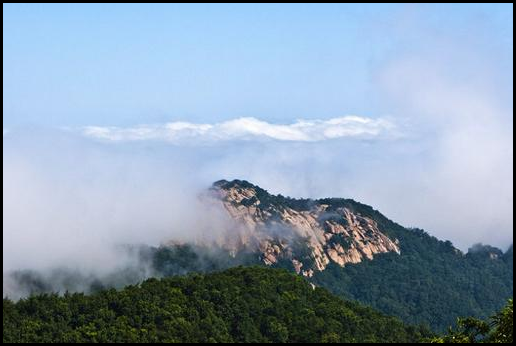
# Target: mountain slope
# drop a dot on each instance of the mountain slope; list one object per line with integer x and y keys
{"x": 398, "y": 271}
{"x": 332, "y": 232}
{"x": 358, "y": 253}
{"x": 238, "y": 305}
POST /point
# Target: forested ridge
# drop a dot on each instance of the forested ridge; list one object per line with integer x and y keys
{"x": 243, "y": 304}
{"x": 431, "y": 282}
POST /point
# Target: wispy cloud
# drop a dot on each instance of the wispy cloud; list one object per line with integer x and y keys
{"x": 249, "y": 129}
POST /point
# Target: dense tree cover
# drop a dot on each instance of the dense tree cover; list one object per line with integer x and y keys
{"x": 431, "y": 282}
{"x": 472, "y": 330}
{"x": 186, "y": 258}
{"x": 243, "y": 304}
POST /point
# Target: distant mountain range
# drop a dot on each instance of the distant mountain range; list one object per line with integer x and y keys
{"x": 355, "y": 252}
{"x": 338, "y": 244}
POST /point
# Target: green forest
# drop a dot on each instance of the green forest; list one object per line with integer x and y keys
{"x": 426, "y": 288}
{"x": 243, "y": 304}
{"x": 499, "y": 329}
{"x": 431, "y": 282}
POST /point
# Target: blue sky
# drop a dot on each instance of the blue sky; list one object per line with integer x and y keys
{"x": 407, "y": 107}
{"x": 121, "y": 65}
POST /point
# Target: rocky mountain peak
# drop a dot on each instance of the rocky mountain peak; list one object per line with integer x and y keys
{"x": 307, "y": 233}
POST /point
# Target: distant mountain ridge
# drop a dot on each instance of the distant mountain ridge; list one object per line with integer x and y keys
{"x": 357, "y": 252}
{"x": 347, "y": 247}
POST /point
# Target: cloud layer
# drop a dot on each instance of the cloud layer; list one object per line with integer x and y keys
{"x": 72, "y": 196}
{"x": 249, "y": 129}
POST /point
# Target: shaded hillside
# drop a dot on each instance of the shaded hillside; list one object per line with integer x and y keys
{"x": 367, "y": 257}
{"x": 421, "y": 280}
{"x": 238, "y": 305}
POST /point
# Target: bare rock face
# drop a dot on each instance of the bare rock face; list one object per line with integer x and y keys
{"x": 309, "y": 234}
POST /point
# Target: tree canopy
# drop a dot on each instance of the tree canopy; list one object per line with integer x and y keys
{"x": 244, "y": 304}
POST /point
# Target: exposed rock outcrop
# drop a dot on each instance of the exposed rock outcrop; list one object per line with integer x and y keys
{"x": 277, "y": 227}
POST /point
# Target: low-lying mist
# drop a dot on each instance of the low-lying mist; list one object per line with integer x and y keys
{"x": 437, "y": 154}
{"x": 73, "y": 206}
{"x": 444, "y": 163}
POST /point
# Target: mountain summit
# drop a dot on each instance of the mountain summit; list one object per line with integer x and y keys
{"x": 308, "y": 233}
{"x": 358, "y": 253}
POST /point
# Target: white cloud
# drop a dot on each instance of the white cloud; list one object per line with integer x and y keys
{"x": 249, "y": 128}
